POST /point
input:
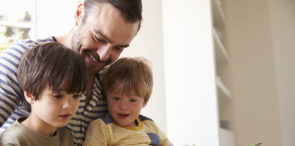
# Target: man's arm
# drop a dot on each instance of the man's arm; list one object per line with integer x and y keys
{"x": 10, "y": 92}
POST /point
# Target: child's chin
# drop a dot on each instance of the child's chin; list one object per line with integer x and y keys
{"x": 59, "y": 125}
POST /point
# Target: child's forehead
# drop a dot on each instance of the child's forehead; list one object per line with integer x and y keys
{"x": 60, "y": 90}
{"x": 125, "y": 88}
{"x": 123, "y": 91}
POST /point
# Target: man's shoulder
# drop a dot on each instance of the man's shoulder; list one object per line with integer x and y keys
{"x": 19, "y": 47}
{"x": 29, "y": 43}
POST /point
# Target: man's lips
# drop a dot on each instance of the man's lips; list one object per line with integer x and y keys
{"x": 93, "y": 59}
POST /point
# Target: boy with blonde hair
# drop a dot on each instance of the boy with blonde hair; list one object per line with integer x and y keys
{"x": 128, "y": 86}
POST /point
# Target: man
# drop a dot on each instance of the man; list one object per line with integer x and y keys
{"x": 102, "y": 30}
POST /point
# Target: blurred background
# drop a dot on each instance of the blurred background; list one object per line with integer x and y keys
{"x": 15, "y": 24}
{"x": 223, "y": 69}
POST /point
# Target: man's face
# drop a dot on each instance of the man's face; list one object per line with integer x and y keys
{"x": 102, "y": 37}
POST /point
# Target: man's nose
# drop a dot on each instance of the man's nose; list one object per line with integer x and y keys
{"x": 104, "y": 52}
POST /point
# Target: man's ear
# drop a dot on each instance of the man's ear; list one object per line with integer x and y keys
{"x": 29, "y": 97}
{"x": 79, "y": 13}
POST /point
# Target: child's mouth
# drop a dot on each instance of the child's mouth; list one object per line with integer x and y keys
{"x": 122, "y": 116}
{"x": 66, "y": 116}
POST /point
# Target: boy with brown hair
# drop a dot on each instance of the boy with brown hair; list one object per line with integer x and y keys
{"x": 52, "y": 78}
{"x": 128, "y": 86}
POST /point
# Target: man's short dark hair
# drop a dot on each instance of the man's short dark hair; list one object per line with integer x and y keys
{"x": 52, "y": 65}
{"x": 131, "y": 10}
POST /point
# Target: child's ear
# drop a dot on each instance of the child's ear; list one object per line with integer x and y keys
{"x": 144, "y": 104}
{"x": 29, "y": 97}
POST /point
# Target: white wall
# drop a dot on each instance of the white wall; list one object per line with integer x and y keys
{"x": 255, "y": 98}
{"x": 283, "y": 30}
{"x": 189, "y": 73}
{"x": 55, "y": 17}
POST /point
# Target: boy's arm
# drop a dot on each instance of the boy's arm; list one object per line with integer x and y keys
{"x": 97, "y": 134}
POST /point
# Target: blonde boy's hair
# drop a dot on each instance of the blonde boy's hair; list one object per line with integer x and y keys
{"x": 129, "y": 74}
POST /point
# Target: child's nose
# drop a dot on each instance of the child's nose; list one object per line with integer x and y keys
{"x": 123, "y": 105}
{"x": 67, "y": 103}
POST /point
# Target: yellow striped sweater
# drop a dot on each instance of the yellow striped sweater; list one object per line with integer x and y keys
{"x": 105, "y": 131}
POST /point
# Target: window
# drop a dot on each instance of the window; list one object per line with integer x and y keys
{"x": 16, "y": 21}
{"x": 22, "y": 19}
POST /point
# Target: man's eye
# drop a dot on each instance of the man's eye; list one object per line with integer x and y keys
{"x": 119, "y": 49}
{"x": 99, "y": 40}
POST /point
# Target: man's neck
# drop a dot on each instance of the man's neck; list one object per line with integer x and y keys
{"x": 65, "y": 39}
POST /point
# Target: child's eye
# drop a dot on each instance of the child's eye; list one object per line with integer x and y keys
{"x": 133, "y": 100}
{"x": 77, "y": 96}
{"x": 57, "y": 96}
{"x": 116, "y": 98}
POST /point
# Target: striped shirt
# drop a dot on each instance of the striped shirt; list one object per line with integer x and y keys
{"x": 11, "y": 106}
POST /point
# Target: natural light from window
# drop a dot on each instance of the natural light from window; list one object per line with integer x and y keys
{"x": 22, "y": 19}
{"x": 16, "y": 23}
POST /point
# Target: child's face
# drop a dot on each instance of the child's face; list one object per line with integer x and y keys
{"x": 54, "y": 109}
{"x": 124, "y": 108}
